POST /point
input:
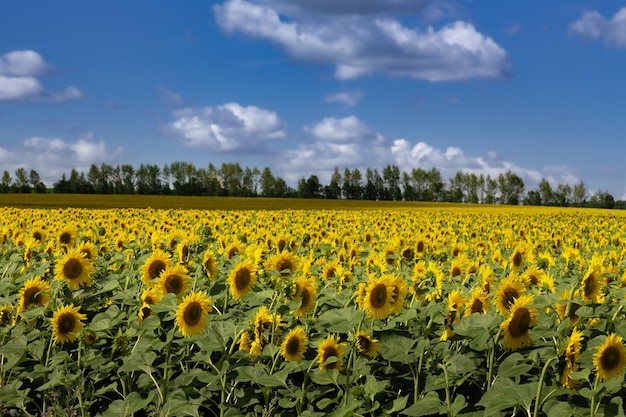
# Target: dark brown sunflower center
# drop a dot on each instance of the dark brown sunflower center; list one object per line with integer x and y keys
{"x": 174, "y": 284}
{"x": 533, "y": 279}
{"x": 378, "y": 296}
{"x": 420, "y": 246}
{"x": 281, "y": 245}
{"x": 232, "y": 252}
{"x": 610, "y": 358}
{"x": 193, "y": 313}
{"x": 589, "y": 286}
{"x": 242, "y": 278}
{"x": 572, "y": 311}
{"x": 517, "y": 259}
{"x": 520, "y": 322}
{"x": 72, "y": 269}
{"x": 363, "y": 343}
{"x": 65, "y": 238}
{"x": 284, "y": 264}
{"x": 389, "y": 257}
{"x": 66, "y": 323}
{"x": 456, "y": 271}
{"x": 330, "y": 272}
{"x": 306, "y": 297}
{"x": 37, "y": 236}
{"x": 508, "y": 296}
{"x": 155, "y": 268}
{"x": 293, "y": 346}
{"x": 477, "y": 306}
{"x": 31, "y": 296}
{"x": 330, "y": 351}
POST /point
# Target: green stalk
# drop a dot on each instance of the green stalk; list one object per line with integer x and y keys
{"x": 538, "y": 401}
{"x": 448, "y": 399}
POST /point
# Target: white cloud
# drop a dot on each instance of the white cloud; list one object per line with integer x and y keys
{"x": 335, "y": 7}
{"x": 348, "y": 129}
{"x": 169, "y": 97}
{"x": 592, "y": 25}
{"x": 349, "y": 98}
{"x": 226, "y": 127}
{"x": 17, "y": 78}
{"x": 52, "y": 157}
{"x": 359, "y": 45}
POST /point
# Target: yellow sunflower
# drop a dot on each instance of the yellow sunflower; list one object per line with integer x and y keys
{"x": 285, "y": 263}
{"x": 209, "y": 263}
{"x": 456, "y": 304}
{"x": 244, "y": 342}
{"x": 75, "y": 269}
{"x": 66, "y": 237}
{"x": 509, "y": 289}
{"x": 88, "y": 249}
{"x": 33, "y": 292}
{"x": 478, "y": 303}
{"x": 66, "y": 323}
{"x": 378, "y": 297}
{"x": 174, "y": 279}
{"x": 516, "y": 327}
{"x": 192, "y": 313}
{"x": 567, "y": 297}
{"x": 610, "y": 358}
{"x": 156, "y": 263}
{"x": 151, "y": 296}
{"x": 592, "y": 284}
{"x": 242, "y": 279}
{"x": 330, "y": 348}
{"x": 6, "y": 315}
{"x": 400, "y": 289}
{"x": 307, "y": 295}
{"x": 572, "y": 354}
{"x": 366, "y": 344}
{"x": 294, "y": 345}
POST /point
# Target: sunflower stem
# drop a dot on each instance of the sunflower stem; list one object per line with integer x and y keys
{"x": 594, "y": 398}
{"x": 447, "y": 380}
{"x": 300, "y": 402}
{"x": 538, "y": 401}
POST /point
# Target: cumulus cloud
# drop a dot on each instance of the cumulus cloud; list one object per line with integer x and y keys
{"x": 18, "y": 72}
{"x": 52, "y": 157}
{"x": 225, "y": 127}
{"x": 349, "y": 98}
{"x": 367, "y": 41}
{"x": 347, "y": 6}
{"x": 592, "y": 25}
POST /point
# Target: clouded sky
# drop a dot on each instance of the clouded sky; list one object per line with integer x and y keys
{"x": 302, "y": 86}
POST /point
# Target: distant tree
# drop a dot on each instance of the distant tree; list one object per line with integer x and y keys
{"x": 310, "y": 188}
{"x": 545, "y": 192}
{"x": 268, "y": 183}
{"x": 579, "y": 195}
{"x": 511, "y": 188}
{"x": 436, "y": 186}
{"x": 407, "y": 186}
{"x": 455, "y": 188}
{"x": 5, "y": 183}
{"x": 563, "y": 195}
{"x": 333, "y": 189}
{"x": 352, "y": 184}
{"x": 491, "y": 190}
{"x": 602, "y": 199}
{"x": 533, "y": 198}
{"x": 391, "y": 178}
{"x": 21, "y": 181}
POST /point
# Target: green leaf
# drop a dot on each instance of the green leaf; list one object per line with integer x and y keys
{"x": 397, "y": 348}
{"x": 326, "y": 377}
{"x": 14, "y": 352}
{"x": 513, "y": 365}
{"x": 428, "y": 405}
{"x": 505, "y": 394}
{"x": 398, "y": 405}
{"x": 341, "y": 320}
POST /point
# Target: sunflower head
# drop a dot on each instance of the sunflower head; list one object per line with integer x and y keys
{"x": 66, "y": 237}
{"x": 379, "y": 295}
{"x": 6, "y": 315}
{"x": 330, "y": 348}
{"x": 610, "y": 358}
{"x": 174, "y": 279}
{"x": 209, "y": 263}
{"x": 34, "y": 292}
{"x": 366, "y": 344}
{"x": 66, "y": 323}
{"x": 156, "y": 263}
{"x": 307, "y": 295}
{"x": 242, "y": 279}
{"x": 516, "y": 328}
{"x": 75, "y": 269}
{"x": 592, "y": 285}
{"x": 192, "y": 313}
{"x": 510, "y": 289}
{"x": 285, "y": 263}
{"x": 294, "y": 345}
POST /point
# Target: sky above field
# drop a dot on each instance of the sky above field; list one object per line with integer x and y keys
{"x": 302, "y": 86}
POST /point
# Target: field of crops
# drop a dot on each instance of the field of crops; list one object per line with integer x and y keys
{"x": 414, "y": 310}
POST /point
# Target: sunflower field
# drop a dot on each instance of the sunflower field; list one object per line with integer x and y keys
{"x": 455, "y": 311}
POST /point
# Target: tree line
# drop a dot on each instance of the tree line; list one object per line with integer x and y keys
{"x": 231, "y": 179}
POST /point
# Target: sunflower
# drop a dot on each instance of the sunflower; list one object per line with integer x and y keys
{"x": 366, "y": 344}
{"x": 610, "y": 358}
{"x": 434, "y": 273}
{"x": 38, "y": 234}
{"x": 331, "y": 270}
{"x": 307, "y": 295}
{"x": 66, "y": 237}
{"x": 330, "y": 348}
{"x": 378, "y": 298}
{"x": 518, "y": 257}
{"x": 88, "y": 249}
{"x": 592, "y": 284}
{"x": 75, "y": 269}
{"x": 400, "y": 289}
{"x": 156, "y": 263}
{"x": 456, "y": 303}
{"x": 33, "y": 292}
{"x": 572, "y": 354}
{"x": 568, "y": 298}
{"x": 244, "y": 342}
{"x": 478, "y": 303}
{"x": 66, "y": 323}
{"x": 174, "y": 279}
{"x": 144, "y": 311}
{"x": 516, "y": 327}
{"x": 242, "y": 279}
{"x": 6, "y": 315}
{"x": 151, "y": 296}
{"x": 294, "y": 345}
{"x": 233, "y": 249}
{"x": 533, "y": 276}
{"x": 209, "y": 263}
{"x": 457, "y": 267}
{"x": 192, "y": 313}
{"x": 509, "y": 289}
{"x": 284, "y": 263}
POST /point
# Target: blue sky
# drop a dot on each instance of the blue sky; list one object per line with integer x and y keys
{"x": 302, "y": 86}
